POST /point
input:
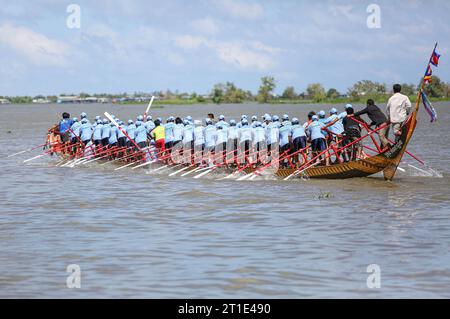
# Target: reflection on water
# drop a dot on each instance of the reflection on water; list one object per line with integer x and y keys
{"x": 138, "y": 235}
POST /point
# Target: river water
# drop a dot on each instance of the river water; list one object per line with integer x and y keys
{"x": 154, "y": 236}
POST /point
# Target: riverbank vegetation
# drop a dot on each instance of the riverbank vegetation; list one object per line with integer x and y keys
{"x": 229, "y": 93}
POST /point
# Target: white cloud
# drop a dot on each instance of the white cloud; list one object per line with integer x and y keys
{"x": 264, "y": 48}
{"x": 239, "y": 55}
{"x": 241, "y": 10}
{"x": 36, "y": 47}
{"x": 206, "y": 25}
{"x": 107, "y": 41}
{"x": 189, "y": 42}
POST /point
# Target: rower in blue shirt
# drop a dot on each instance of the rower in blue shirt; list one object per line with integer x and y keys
{"x": 85, "y": 131}
{"x": 121, "y": 137}
{"x": 75, "y": 130}
{"x": 223, "y": 123}
{"x": 168, "y": 129}
{"x": 245, "y": 138}
{"x": 298, "y": 140}
{"x": 334, "y": 124}
{"x": 272, "y": 134}
{"x": 318, "y": 143}
{"x": 131, "y": 131}
{"x": 106, "y": 128}
{"x": 97, "y": 135}
{"x": 210, "y": 136}
{"x": 285, "y": 137}
{"x": 149, "y": 125}
{"x": 141, "y": 134}
{"x": 113, "y": 135}
{"x": 178, "y": 131}
{"x": 322, "y": 118}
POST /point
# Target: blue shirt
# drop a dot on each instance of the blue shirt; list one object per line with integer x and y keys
{"x": 199, "y": 138}
{"x": 113, "y": 134}
{"x": 178, "y": 132}
{"x": 315, "y": 130}
{"x": 210, "y": 136}
{"x": 75, "y": 129}
{"x": 98, "y": 132}
{"x": 285, "y": 132}
{"x": 106, "y": 130}
{"x": 149, "y": 125}
{"x": 120, "y": 133}
{"x": 141, "y": 134}
{"x": 86, "y": 131}
{"x": 336, "y": 128}
{"x": 233, "y": 132}
{"x": 259, "y": 135}
{"x": 188, "y": 133}
{"x": 297, "y": 130}
{"x": 272, "y": 133}
{"x": 245, "y": 133}
{"x": 168, "y": 128}
{"x": 64, "y": 125}
{"x": 131, "y": 131}
{"x": 222, "y": 136}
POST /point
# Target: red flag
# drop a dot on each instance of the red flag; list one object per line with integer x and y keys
{"x": 435, "y": 58}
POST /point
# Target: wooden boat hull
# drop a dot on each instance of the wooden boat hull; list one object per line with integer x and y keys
{"x": 386, "y": 162}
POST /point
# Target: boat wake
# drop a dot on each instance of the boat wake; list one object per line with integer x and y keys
{"x": 420, "y": 171}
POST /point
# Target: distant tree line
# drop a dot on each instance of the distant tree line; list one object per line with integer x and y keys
{"x": 228, "y": 92}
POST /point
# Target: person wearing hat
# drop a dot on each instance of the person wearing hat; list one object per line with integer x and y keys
{"x": 318, "y": 143}
{"x": 106, "y": 130}
{"x": 232, "y": 144}
{"x": 121, "y": 138}
{"x": 245, "y": 138}
{"x": 199, "y": 141}
{"x": 131, "y": 132}
{"x": 97, "y": 135}
{"x": 188, "y": 140}
{"x": 75, "y": 130}
{"x": 141, "y": 134}
{"x": 149, "y": 124}
{"x": 169, "y": 128}
{"x": 259, "y": 141}
{"x": 298, "y": 140}
{"x": 85, "y": 131}
{"x": 223, "y": 123}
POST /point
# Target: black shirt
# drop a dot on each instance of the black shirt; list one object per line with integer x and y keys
{"x": 374, "y": 113}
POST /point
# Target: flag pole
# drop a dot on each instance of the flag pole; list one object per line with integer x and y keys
{"x": 422, "y": 84}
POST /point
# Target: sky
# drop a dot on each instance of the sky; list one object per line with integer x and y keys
{"x": 132, "y": 46}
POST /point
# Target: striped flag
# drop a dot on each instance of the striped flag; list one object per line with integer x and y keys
{"x": 429, "y": 108}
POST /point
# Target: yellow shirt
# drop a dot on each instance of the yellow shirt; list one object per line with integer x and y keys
{"x": 159, "y": 133}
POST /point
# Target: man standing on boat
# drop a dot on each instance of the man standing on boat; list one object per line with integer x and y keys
{"x": 378, "y": 118}
{"x": 398, "y": 108}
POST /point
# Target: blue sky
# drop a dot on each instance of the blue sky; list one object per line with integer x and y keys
{"x": 128, "y": 46}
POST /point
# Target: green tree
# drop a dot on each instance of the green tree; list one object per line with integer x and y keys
{"x": 408, "y": 89}
{"x": 217, "y": 93}
{"x": 368, "y": 89}
{"x": 436, "y": 88}
{"x": 333, "y": 93}
{"x": 316, "y": 92}
{"x": 289, "y": 93}
{"x": 265, "y": 91}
